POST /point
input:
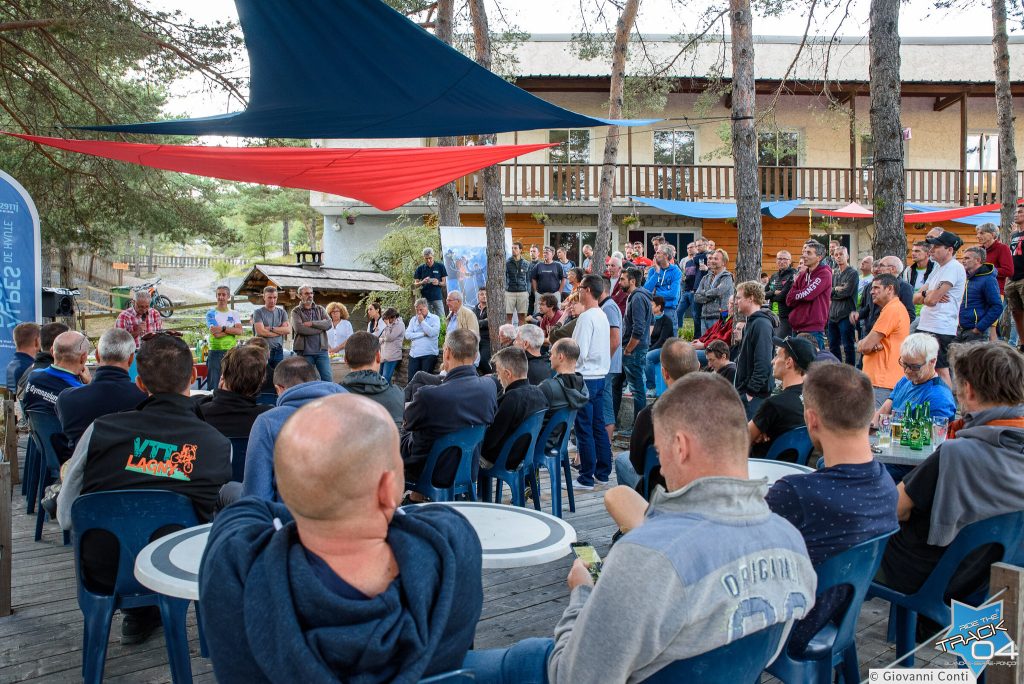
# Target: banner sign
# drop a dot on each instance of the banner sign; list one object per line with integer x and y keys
{"x": 20, "y": 268}
{"x": 464, "y": 255}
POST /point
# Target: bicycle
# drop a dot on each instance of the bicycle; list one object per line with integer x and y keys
{"x": 158, "y": 301}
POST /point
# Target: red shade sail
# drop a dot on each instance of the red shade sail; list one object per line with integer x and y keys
{"x": 854, "y": 210}
{"x": 383, "y": 177}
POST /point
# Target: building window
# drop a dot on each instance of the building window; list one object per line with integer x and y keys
{"x": 573, "y": 146}
{"x": 982, "y": 151}
{"x": 573, "y": 241}
{"x": 778, "y": 148}
{"x": 674, "y": 148}
{"x": 677, "y": 238}
{"x": 867, "y": 152}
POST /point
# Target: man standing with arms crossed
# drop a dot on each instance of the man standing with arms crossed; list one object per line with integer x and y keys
{"x": 517, "y": 284}
{"x": 811, "y": 294}
{"x": 593, "y": 336}
{"x": 941, "y": 296}
{"x": 547, "y": 276}
{"x": 778, "y": 288}
{"x": 270, "y": 322}
{"x": 224, "y": 325}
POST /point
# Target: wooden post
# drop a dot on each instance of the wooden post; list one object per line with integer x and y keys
{"x": 5, "y": 539}
{"x": 963, "y": 150}
{"x": 1010, "y": 578}
{"x": 10, "y": 454}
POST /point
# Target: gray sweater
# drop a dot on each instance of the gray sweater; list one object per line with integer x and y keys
{"x": 709, "y": 565}
{"x": 713, "y": 294}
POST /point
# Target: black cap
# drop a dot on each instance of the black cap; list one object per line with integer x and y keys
{"x": 946, "y": 239}
{"x": 801, "y": 351}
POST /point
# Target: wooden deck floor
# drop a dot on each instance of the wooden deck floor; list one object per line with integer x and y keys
{"x": 42, "y": 640}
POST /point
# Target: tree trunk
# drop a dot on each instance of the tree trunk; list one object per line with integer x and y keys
{"x": 67, "y": 264}
{"x": 285, "y": 247}
{"x": 494, "y": 212}
{"x": 884, "y": 40}
{"x": 1004, "y": 114}
{"x": 623, "y": 27}
{"x": 310, "y": 226}
{"x": 447, "y": 197}
{"x": 744, "y": 143}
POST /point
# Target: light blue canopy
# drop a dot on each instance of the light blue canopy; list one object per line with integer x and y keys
{"x": 359, "y": 69}
{"x": 717, "y": 210}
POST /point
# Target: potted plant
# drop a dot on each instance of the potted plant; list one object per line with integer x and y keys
{"x": 350, "y": 216}
{"x": 631, "y": 221}
{"x": 540, "y": 217}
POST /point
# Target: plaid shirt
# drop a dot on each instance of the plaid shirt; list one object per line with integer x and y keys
{"x": 129, "y": 320}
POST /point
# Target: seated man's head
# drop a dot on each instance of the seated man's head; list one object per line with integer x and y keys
{"x": 838, "y": 403}
{"x": 717, "y": 352}
{"x": 564, "y": 355}
{"x": 548, "y": 303}
{"x": 987, "y": 375}
{"x": 510, "y": 364}
{"x": 338, "y": 470}
{"x": 506, "y": 334}
{"x": 530, "y": 338}
{"x": 293, "y": 371}
{"x": 259, "y": 343}
{"x": 362, "y": 351}
{"x": 26, "y": 338}
{"x": 244, "y": 370}
{"x": 687, "y": 448}
{"x": 165, "y": 365}
{"x": 460, "y": 348}
{"x": 70, "y": 351}
{"x": 116, "y": 348}
{"x": 678, "y": 358}
{"x": 793, "y": 356}
{"x": 918, "y": 355}
{"x": 48, "y": 333}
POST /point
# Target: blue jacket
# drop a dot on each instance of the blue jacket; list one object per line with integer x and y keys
{"x": 273, "y": 612}
{"x": 18, "y": 365}
{"x": 665, "y": 283}
{"x": 981, "y": 305}
{"x": 259, "y": 457}
{"x": 111, "y": 391}
{"x": 43, "y": 387}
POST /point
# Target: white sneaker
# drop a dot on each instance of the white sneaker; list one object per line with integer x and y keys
{"x": 576, "y": 484}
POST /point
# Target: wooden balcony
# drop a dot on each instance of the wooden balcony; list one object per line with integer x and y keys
{"x": 569, "y": 183}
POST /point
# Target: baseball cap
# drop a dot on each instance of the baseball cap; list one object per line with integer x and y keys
{"x": 801, "y": 351}
{"x": 946, "y": 239}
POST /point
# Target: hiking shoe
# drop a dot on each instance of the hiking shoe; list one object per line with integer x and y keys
{"x": 138, "y": 624}
{"x": 576, "y": 484}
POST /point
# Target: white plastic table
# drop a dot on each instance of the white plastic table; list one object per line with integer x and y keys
{"x": 774, "y": 470}
{"x": 514, "y": 537}
{"x": 511, "y": 537}
{"x": 902, "y": 455}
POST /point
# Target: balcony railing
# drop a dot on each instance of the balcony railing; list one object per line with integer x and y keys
{"x": 581, "y": 183}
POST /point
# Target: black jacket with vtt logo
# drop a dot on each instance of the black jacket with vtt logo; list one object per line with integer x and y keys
{"x": 162, "y": 444}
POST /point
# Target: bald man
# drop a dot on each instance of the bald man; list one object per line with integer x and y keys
{"x": 70, "y": 351}
{"x": 338, "y": 582}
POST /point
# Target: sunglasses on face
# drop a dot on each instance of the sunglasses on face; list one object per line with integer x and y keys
{"x": 170, "y": 333}
{"x": 915, "y": 367}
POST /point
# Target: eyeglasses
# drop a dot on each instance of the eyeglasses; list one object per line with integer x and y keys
{"x": 912, "y": 366}
{"x": 170, "y": 333}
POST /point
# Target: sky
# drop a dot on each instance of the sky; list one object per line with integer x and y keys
{"x": 918, "y": 18}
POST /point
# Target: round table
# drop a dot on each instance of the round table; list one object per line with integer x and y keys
{"x": 170, "y": 565}
{"x": 514, "y": 537}
{"x": 773, "y": 470}
{"x": 898, "y": 454}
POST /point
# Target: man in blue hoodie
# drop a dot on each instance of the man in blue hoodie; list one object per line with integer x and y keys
{"x": 338, "y": 583}
{"x": 982, "y": 304}
{"x": 297, "y": 383}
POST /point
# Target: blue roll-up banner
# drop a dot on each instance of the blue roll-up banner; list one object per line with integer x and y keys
{"x": 21, "y": 278}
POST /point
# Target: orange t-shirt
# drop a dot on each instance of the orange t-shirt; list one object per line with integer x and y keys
{"x": 882, "y": 366}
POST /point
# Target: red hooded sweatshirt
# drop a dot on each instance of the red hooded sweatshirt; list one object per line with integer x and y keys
{"x": 809, "y": 299}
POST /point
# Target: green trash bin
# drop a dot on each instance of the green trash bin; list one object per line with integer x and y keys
{"x": 122, "y": 296}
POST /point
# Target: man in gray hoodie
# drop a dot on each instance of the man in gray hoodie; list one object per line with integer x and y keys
{"x": 362, "y": 353}
{"x": 636, "y": 335}
{"x": 685, "y": 579}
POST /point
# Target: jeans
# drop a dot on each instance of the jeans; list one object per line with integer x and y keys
{"x": 276, "y": 357}
{"x": 841, "y": 340}
{"x": 322, "y": 362}
{"x": 818, "y": 336}
{"x": 591, "y": 437}
{"x": 702, "y": 358}
{"x": 653, "y": 359}
{"x": 685, "y": 308}
{"x": 624, "y": 471}
{"x": 633, "y": 365}
{"x": 436, "y": 306}
{"x": 698, "y": 322}
{"x": 612, "y": 397}
{"x": 387, "y": 369}
{"x": 525, "y": 662}
{"x": 213, "y": 368}
{"x": 673, "y": 314}
{"x": 421, "y": 363}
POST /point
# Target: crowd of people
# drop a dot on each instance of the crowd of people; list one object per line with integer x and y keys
{"x": 318, "y": 527}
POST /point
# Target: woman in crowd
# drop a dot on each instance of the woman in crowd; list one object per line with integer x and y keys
{"x": 391, "y": 335}
{"x": 374, "y": 319}
{"x": 341, "y": 328}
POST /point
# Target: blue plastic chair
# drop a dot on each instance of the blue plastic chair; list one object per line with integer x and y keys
{"x": 466, "y": 441}
{"x": 651, "y": 461}
{"x": 239, "y": 447}
{"x": 556, "y": 462}
{"x": 453, "y": 677}
{"x": 515, "y": 478}
{"x": 796, "y": 440}
{"x": 44, "y": 426}
{"x": 930, "y": 600}
{"x": 741, "y": 661}
{"x": 133, "y": 517}
{"x": 30, "y": 479}
{"x": 835, "y": 644}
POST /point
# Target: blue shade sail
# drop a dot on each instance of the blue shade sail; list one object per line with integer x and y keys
{"x": 359, "y": 69}
{"x": 717, "y": 210}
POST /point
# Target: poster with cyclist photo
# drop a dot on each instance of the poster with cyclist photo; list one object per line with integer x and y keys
{"x": 464, "y": 255}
